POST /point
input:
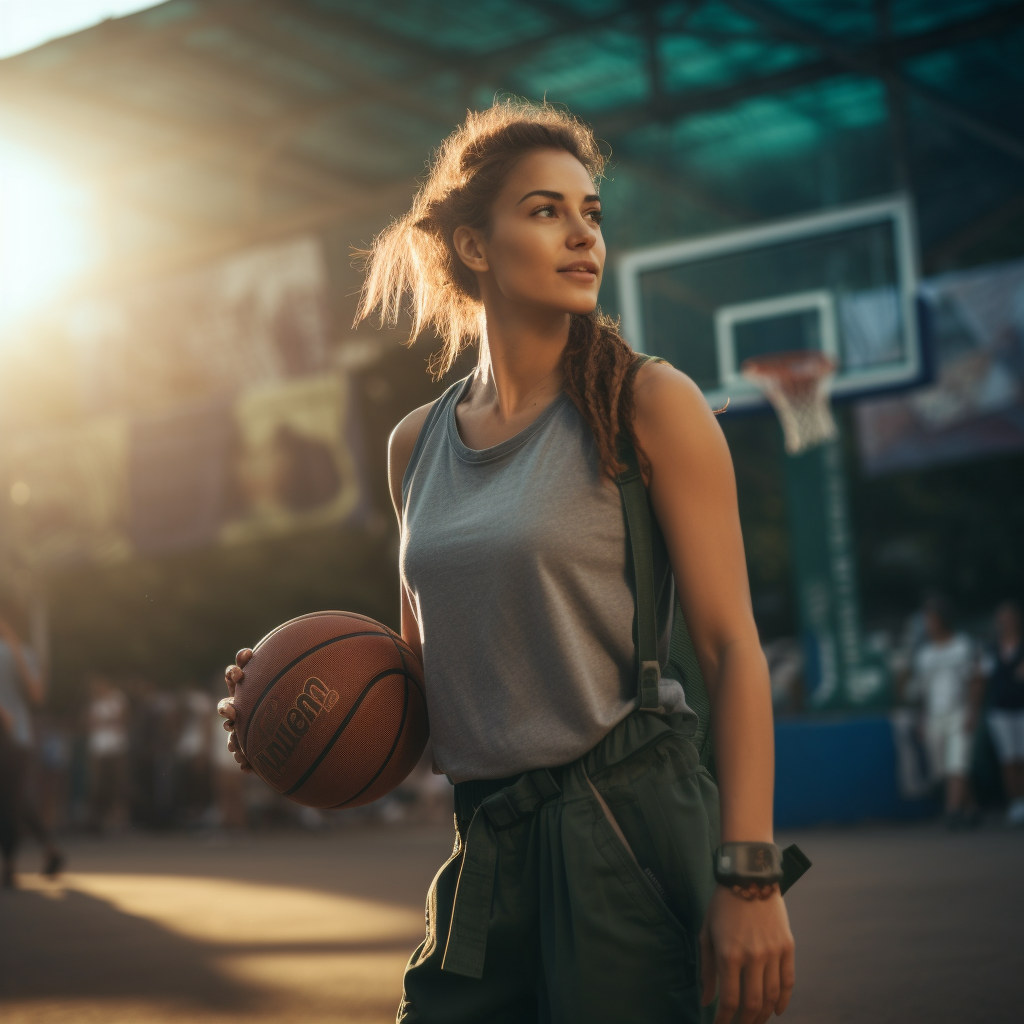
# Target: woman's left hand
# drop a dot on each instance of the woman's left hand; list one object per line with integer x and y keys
{"x": 747, "y": 947}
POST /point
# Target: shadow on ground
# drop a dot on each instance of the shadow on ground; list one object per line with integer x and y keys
{"x": 63, "y": 944}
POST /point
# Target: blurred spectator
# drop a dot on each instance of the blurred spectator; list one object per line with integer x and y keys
{"x": 192, "y": 754}
{"x": 53, "y": 761}
{"x": 21, "y": 689}
{"x": 107, "y": 724}
{"x": 943, "y": 669}
{"x": 1003, "y": 669}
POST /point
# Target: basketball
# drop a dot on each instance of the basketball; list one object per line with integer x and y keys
{"x": 332, "y": 712}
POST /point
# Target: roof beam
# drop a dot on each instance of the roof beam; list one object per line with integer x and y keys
{"x": 624, "y": 119}
{"x": 111, "y": 38}
{"x": 869, "y": 61}
{"x": 939, "y": 257}
{"x": 627, "y": 118}
{"x": 80, "y": 110}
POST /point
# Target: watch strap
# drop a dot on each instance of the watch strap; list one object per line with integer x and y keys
{"x": 794, "y": 863}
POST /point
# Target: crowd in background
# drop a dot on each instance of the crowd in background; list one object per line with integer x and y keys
{"x": 142, "y": 756}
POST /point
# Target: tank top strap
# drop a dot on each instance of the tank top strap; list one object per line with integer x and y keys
{"x": 435, "y": 416}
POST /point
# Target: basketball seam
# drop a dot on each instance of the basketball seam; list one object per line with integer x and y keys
{"x": 304, "y": 778}
{"x": 292, "y": 664}
{"x": 387, "y": 760}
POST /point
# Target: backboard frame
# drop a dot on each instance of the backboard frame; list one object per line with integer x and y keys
{"x": 740, "y": 394}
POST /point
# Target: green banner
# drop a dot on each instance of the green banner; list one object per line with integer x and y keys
{"x": 838, "y": 672}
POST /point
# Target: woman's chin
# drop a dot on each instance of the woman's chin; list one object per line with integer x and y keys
{"x": 580, "y": 305}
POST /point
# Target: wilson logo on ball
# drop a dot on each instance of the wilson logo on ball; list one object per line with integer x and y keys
{"x": 315, "y": 699}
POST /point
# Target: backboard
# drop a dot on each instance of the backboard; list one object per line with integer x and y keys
{"x": 843, "y": 281}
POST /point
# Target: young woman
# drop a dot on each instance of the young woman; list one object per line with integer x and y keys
{"x": 581, "y": 885}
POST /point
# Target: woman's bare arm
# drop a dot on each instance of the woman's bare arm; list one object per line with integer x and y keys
{"x": 693, "y": 490}
{"x": 747, "y": 947}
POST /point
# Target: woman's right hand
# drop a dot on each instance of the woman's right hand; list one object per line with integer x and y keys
{"x": 234, "y": 676}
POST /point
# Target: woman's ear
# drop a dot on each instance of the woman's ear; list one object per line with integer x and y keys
{"x": 468, "y": 243}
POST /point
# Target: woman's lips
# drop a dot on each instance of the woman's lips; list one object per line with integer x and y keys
{"x": 587, "y": 276}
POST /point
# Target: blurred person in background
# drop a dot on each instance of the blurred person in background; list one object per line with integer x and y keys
{"x": 1002, "y": 667}
{"x": 107, "y": 727}
{"x": 21, "y": 689}
{"x": 53, "y": 764}
{"x": 192, "y": 754}
{"x": 944, "y": 667}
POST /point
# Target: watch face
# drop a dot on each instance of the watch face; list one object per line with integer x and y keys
{"x": 753, "y": 861}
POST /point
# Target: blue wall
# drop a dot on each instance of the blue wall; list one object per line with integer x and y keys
{"x": 840, "y": 769}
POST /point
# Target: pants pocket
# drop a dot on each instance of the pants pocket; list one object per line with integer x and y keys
{"x": 639, "y": 879}
{"x": 669, "y": 817}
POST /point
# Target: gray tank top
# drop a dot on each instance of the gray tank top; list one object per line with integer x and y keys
{"x": 515, "y": 558}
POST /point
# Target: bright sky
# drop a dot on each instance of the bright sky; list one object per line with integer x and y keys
{"x": 25, "y": 24}
{"x": 45, "y": 236}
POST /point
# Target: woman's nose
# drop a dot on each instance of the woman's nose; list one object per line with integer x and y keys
{"x": 583, "y": 237}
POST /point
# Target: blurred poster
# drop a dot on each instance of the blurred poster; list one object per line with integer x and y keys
{"x": 292, "y": 468}
{"x": 275, "y": 460}
{"x": 254, "y": 318}
{"x": 179, "y": 471}
{"x": 68, "y": 492}
{"x": 975, "y": 407}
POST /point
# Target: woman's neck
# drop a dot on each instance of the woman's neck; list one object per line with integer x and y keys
{"x": 520, "y": 360}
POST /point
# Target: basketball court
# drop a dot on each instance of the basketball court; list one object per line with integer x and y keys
{"x": 894, "y": 924}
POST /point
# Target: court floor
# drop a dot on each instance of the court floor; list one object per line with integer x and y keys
{"x": 893, "y": 924}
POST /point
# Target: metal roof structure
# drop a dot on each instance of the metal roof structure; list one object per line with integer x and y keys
{"x": 204, "y": 126}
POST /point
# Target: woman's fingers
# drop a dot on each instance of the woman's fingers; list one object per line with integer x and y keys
{"x": 787, "y": 976}
{"x": 707, "y": 967}
{"x": 728, "y": 970}
{"x": 770, "y": 990}
{"x": 236, "y": 750}
{"x": 751, "y": 992}
{"x": 226, "y": 709}
{"x": 233, "y": 674}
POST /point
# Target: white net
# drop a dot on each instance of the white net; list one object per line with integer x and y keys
{"x": 798, "y": 384}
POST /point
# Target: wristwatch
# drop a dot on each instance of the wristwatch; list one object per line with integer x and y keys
{"x": 746, "y": 864}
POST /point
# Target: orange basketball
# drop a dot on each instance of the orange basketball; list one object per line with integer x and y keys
{"x": 331, "y": 712}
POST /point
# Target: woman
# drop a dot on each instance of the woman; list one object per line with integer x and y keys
{"x": 582, "y": 871}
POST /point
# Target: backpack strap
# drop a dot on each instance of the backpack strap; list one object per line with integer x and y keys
{"x": 683, "y": 662}
{"x": 638, "y": 526}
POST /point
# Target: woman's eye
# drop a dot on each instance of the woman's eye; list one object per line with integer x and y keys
{"x": 545, "y": 211}
{"x": 596, "y": 216}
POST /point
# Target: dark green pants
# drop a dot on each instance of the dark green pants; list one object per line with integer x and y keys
{"x": 562, "y": 906}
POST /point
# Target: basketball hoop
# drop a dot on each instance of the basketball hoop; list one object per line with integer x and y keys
{"x": 798, "y": 385}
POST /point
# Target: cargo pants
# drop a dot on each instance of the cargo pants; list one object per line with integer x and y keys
{"x": 575, "y": 894}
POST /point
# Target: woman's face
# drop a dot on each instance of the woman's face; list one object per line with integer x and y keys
{"x": 543, "y": 247}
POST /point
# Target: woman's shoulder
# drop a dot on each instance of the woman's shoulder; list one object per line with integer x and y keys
{"x": 401, "y": 445}
{"x": 670, "y": 410}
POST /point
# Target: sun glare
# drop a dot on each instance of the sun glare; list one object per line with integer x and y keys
{"x": 43, "y": 232}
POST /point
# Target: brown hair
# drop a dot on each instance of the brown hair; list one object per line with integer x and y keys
{"x": 415, "y": 255}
